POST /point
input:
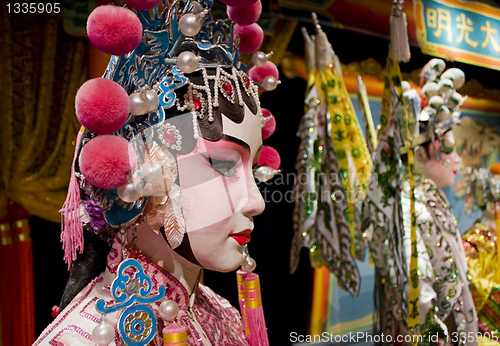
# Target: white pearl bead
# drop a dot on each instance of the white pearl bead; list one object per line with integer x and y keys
{"x": 168, "y": 310}
{"x": 161, "y": 155}
{"x": 152, "y": 172}
{"x": 103, "y": 334}
{"x": 139, "y": 103}
{"x": 190, "y": 24}
{"x": 153, "y": 99}
{"x": 259, "y": 58}
{"x": 248, "y": 265}
{"x": 264, "y": 174}
{"x": 187, "y": 62}
{"x": 270, "y": 83}
{"x": 128, "y": 193}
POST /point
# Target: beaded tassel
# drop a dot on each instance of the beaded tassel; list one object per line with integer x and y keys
{"x": 399, "y": 33}
{"x": 71, "y": 225}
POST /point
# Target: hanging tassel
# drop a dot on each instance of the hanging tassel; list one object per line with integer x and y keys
{"x": 399, "y": 33}
{"x": 174, "y": 335}
{"x": 71, "y": 225}
{"x": 254, "y": 311}
{"x": 241, "y": 299}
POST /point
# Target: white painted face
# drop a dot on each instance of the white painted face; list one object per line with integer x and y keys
{"x": 219, "y": 194}
{"x": 442, "y": 172}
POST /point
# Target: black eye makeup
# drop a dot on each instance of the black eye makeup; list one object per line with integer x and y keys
{"x": 227, "y": 168}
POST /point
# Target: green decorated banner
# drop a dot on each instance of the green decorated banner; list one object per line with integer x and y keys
{"x": 466, "y": 32}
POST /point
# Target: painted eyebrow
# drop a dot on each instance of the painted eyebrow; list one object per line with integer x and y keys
{"x": 236, "y": 141}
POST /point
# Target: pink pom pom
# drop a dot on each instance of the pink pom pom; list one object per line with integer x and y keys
{"x": 266, "y": 113}
{"x": 55, "y": 311}
{"x": 143, "y": 4}
{"x": 251, "y": 37}
{"x": 114, "y": 30}
{"x": 269, "y": 157}
{"x": 102, "y": 106}
{"x": 106, "y": 161}
{"x": 257, "y": 74}
{"x": 245, "y": 15}
{"x": 270, "y": 124}
{"x": 239, "y": 3}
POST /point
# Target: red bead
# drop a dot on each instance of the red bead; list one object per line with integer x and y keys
{"x": 169, "y": 136}
{"x": 227, "y": 88}
{"x": 246, "y": 81}
{"x": 196, "y": 102}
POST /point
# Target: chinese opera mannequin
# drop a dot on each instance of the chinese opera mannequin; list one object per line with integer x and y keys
{"x": 422, "y": 281}
{"x": 219, "y": 197}
{"x": 445, "y": 302}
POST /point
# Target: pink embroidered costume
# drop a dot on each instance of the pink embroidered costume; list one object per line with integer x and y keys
{"x": 204, "y": 313}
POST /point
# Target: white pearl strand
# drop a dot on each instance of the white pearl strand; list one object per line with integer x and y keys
{"x": 238, "y": 90}
{"x": 212, "y": 100}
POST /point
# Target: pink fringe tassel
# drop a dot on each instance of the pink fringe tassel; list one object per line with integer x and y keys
{"x": 71, "y": 225}
{"x": 254, "y": 311}
{"x": 241, "y": 299}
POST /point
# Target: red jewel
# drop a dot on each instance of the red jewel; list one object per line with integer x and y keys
{"x": 227, "y": 88}
{"x": 169, "y": 136}
{"x": 246, "y": 81}
{"x": 196, "y": 102}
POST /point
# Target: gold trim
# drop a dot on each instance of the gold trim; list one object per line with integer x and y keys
{"x": 21, "y": 223}
{"x": 175, "y": 337}
{"x": 22, "y": 237}
{"x": 464, "y": 7}
{"x": 251, "y": 284}
{"x": 254, "y": 303}
{"x": 6, "y": 241}
{"x": 5, "y": 234}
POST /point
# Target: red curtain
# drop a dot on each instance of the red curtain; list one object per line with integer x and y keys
{"x": 17, "y": 312}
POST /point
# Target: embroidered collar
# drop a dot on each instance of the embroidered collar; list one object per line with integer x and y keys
{"x": 175, "y": 290}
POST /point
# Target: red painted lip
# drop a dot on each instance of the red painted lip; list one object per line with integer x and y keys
{"x": 455, "y": 172}
{"x": 242, "y": 238}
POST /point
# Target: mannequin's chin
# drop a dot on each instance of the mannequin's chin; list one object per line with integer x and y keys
{"x": 225, "y": 268}
{"x": 224, "y": 264}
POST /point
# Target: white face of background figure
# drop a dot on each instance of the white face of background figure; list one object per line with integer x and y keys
{"x": 441, "y": 172}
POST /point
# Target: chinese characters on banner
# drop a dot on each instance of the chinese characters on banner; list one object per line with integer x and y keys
{"x": 454, "y": 30}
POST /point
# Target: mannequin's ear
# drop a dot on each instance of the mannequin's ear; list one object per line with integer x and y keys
{"x": 421, "y": 154}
